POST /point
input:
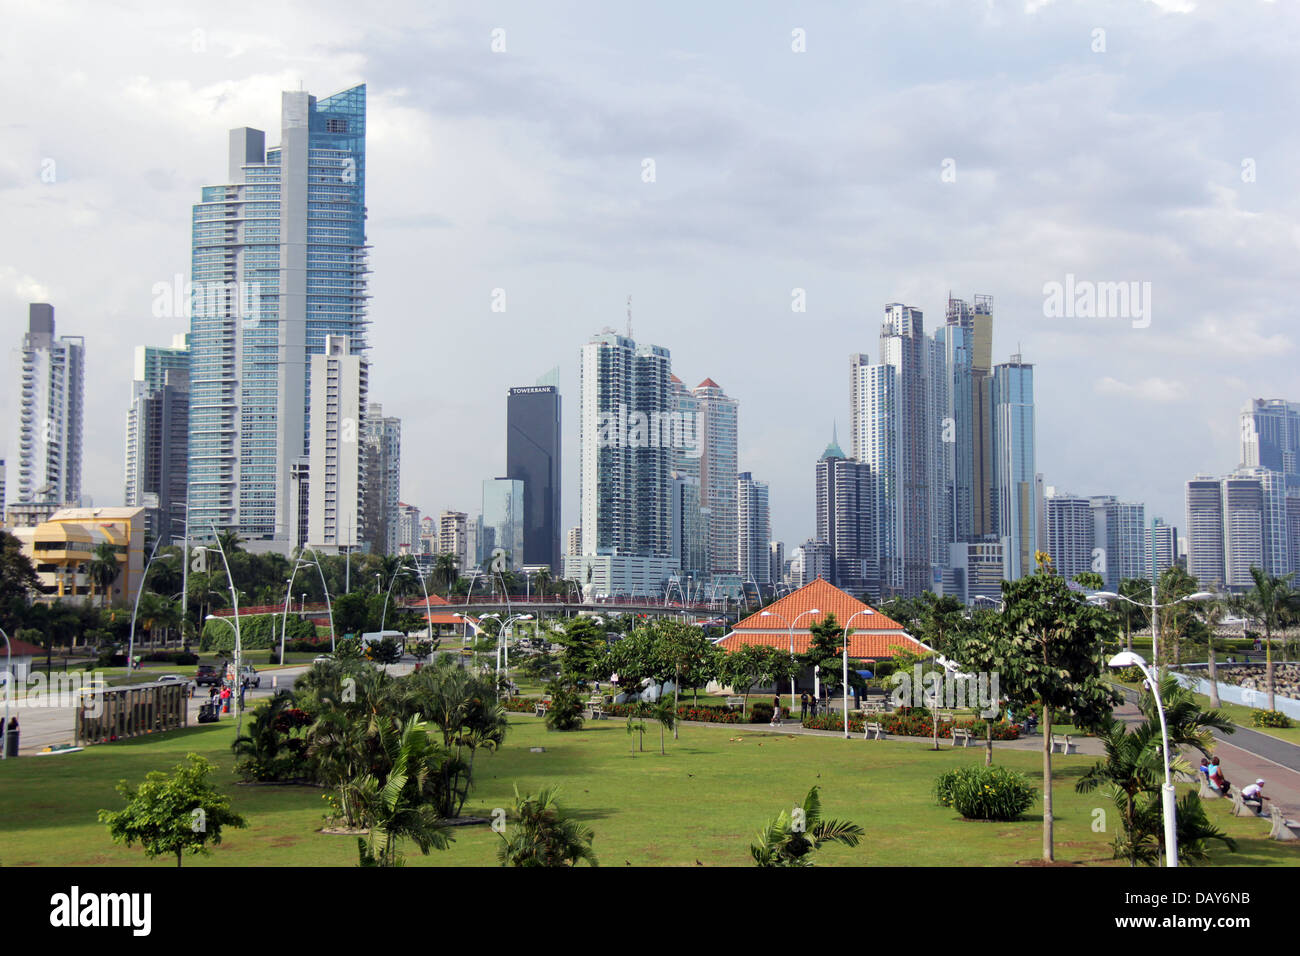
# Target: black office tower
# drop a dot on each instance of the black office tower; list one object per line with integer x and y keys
{"x": 533, "y": 457}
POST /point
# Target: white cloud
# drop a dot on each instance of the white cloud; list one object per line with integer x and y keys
{"x": 1147, "y": 389}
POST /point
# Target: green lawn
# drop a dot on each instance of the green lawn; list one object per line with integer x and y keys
{"x": 702, "y": 802}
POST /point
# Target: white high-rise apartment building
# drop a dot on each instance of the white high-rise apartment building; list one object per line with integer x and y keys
{"x": 1119, "y": 531}
{"x": 51, "y": 384}
{"x": 453, "y": 538}
{"x": 279, "y": 263}
{"x": 1162, "y": 548}
{"x": 754, "y": 530}
{"x": 1070, "y": 533}
{"x": 1205, "y": 530}
{"x": 875, "y": 428}
{"x": 336, "y": 481}
{"x": 625, "y": 460}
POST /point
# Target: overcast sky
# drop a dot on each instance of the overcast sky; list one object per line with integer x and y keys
{"x": 912, "y": 148}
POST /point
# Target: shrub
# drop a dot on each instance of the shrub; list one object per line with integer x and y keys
{"x": 985, "y": 793}
{"x": 1269, "y": 718}
{"x": 565, "y": 712}
{"x": 761, "y": 713}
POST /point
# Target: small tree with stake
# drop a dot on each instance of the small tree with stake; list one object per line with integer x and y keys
{"x": 178, "y": 814}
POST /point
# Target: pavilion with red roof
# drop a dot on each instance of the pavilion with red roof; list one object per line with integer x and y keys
{"x": 874, "y": 636}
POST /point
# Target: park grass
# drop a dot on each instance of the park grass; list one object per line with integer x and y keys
{"x": 701, "y": 804}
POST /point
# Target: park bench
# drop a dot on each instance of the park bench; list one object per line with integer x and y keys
{"x": 1206, "y": 792}
{"x": 874, "y": 727}
{"x": 873, "y": 707}
{"x": 1065, "y": 742}
{"x": 542, "y": 706}
{"x": 1240, "y": 808}
{"x": 735, "y": 702}
{"x": 963, "y": 734}
{"x": 1282, "y": 829}
{"x": 597, "y": 707}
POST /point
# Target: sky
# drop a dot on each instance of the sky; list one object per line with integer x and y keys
{"x": 865, "y": 154}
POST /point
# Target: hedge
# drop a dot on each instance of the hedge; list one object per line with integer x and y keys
{"x": 258, "y": 631}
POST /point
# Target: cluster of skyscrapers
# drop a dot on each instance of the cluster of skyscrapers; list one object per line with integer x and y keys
{"x": 260, "y": 419}
{"x": 939, "y": 490}
{"x": 1250, "y": 517}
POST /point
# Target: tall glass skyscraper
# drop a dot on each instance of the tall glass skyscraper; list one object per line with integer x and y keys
{"x": 278, "y": 263}
{"x": 1014, "y": 472}
{"x": 533, "y": 457}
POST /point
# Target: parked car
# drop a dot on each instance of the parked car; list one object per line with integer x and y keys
{"x": 323, "y": 659}
{"x": 208, "y": 674}
{"x": 175, "y": 679}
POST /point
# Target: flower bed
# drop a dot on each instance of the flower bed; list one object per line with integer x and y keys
{"x": 521, "y": 705}
{"x": 703, "y": 713}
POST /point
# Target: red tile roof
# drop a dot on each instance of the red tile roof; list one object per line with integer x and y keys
{"x": 434, "y": 601}
{"x": 23, "y": 649}
{"x": 874, "y": 636}
{"x": 449, "y": 618}
{"x": 708, "y": 383}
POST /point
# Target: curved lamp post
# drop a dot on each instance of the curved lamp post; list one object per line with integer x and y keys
{"x": 1152, "y": 607}
{"x": 130, "y": 648}
{"x": 791, "y": 627}
{"x": 1168, "y": 802}
{"x": 288, "y": 593}
{"x": 329, "y": 605}
{"x": 468, "y": 623}
{"x": 239, "y": 643}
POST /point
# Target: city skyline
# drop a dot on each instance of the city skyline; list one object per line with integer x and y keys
{"x": 1217, "y": 340}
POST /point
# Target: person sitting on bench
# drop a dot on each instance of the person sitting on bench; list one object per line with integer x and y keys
{"x": 1254, "y": 795}
{"x": 1031, "y": 722}
{"x": 1217, "y": 780}
{"x": 1205, "y": 769}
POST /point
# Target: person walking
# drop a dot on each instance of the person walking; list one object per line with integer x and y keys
{"x": 776, "y": 711}
{"x": 803, "y": 706}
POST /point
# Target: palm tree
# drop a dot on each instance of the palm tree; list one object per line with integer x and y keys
{"x": 543, "y": 581}
{"x": 1174, "y": 583}
{"x": 1130, "y": 614}
{"x": 790, "y": 838}
{"x": 230, "y": 541}
{"x": 664, "y": 712}
{"x": 1211, "y": 614}
{"x": 1134, "y": 767}
{"x": 541, "y": 834}
{"x": 1272, "y": 600}
{"x": 446, "y": 568}
{"x": 103, "y": 569}
{"x": 398, "y": 805}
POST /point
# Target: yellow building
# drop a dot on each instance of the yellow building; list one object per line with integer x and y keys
{"x": 63, "y": 547}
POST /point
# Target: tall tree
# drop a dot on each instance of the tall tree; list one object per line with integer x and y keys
{"x": 104, "y": 569}
{"x": 1271, "y": 600}
{"x": 1173, "y": 584}
{"x": 1055, "y": 650}
{"x": 1131, "y": 615}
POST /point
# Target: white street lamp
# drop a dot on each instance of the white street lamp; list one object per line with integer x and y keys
{"x": 1153, "y": 607}
{"x": 847, "y": 625}
{"x": 1168, "y": 803}
{"x": 130, "y": 648}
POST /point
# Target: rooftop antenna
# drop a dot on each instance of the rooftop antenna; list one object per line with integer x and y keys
{"x": 629, "y": 315}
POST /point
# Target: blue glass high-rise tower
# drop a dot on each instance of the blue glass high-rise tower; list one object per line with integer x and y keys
{"x": 278, "y": 263}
